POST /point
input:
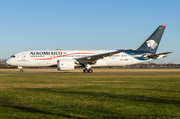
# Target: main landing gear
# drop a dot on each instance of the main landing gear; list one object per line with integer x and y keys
{"x": 87, "y": 68}
{"x": 88, "y": 71}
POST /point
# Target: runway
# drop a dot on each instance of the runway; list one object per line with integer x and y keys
{"x": 95, "y": 70}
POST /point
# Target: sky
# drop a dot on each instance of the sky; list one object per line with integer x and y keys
{"x": 87, "y": 25}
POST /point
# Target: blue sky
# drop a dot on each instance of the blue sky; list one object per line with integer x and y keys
{"x": 87, "y": 25}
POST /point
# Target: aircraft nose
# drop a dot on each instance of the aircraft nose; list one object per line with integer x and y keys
{"x": 7, "y": 62}
{"x": 11, "y": 62}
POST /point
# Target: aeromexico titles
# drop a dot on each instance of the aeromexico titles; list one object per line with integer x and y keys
{"x": 69, "y": 59}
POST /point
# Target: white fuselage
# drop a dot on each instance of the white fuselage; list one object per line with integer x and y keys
{"x": 43, "y": 58}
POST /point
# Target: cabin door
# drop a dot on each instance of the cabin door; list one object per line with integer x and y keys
{"x": 23, "y": 56}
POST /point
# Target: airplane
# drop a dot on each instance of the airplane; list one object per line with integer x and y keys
{"x": 70, "y": 59}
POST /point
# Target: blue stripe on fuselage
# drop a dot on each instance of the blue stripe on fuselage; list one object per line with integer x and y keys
{"x": 136, "y": 57}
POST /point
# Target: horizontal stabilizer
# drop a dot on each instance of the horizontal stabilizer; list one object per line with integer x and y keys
{"x": 151, "y": 56}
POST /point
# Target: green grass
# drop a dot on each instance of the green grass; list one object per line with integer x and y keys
{"x": 78, "y": 95}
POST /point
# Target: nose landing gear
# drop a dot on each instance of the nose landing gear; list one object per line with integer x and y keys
{"x": 21, "y": 69}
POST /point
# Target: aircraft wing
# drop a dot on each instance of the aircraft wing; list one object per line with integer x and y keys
{"x": 156, "y": 55}
{"x": 93, "y": 58}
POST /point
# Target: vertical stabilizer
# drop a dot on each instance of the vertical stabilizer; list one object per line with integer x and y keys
{"x": 152, "y": 42}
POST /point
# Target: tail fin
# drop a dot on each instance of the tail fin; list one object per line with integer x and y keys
{"x": 152, "y": 42}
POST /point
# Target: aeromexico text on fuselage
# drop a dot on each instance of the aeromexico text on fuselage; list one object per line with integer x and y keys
{"x": 47, "y": 53}
{"x": 65, "y": 53}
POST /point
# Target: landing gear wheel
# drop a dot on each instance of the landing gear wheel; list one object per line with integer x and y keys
{"x": 85, "y": 70}
{"x": 21, "y": 70}
{"x": 90, "y": 71}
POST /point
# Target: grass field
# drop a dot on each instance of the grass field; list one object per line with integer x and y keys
{"x": 97, "y": 95}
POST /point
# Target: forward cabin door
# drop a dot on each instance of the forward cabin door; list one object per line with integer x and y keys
{"x": 23, "y": 56}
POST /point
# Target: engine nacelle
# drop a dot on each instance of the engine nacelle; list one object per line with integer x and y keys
{"x": 65, "y": 64}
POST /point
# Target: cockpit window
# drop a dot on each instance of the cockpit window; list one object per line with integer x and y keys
{"x": 13, "y": 56}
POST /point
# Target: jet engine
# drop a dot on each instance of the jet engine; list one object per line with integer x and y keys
{"x": 65, "y": 64}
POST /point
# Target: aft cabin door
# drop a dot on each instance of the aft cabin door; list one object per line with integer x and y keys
{"x": 23, "y": 56}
